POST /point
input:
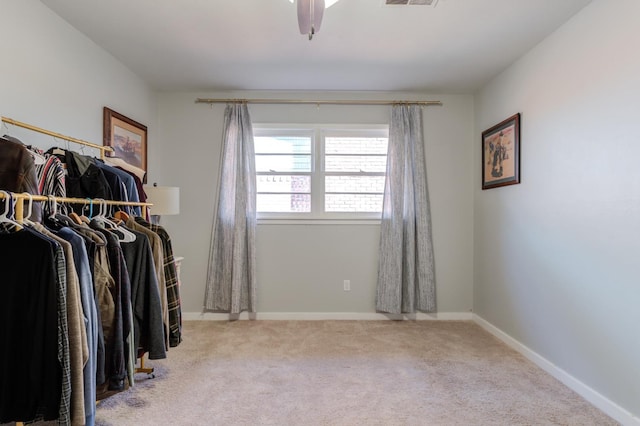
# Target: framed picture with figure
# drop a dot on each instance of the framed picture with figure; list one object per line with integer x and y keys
{"x": 127, "y": 137}
{"x": 501, "y": 154}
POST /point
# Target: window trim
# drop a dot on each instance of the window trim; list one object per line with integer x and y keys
{"x": 318, "y": 133}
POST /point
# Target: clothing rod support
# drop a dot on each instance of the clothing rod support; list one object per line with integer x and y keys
{"x": 319, "y": 102}
{"x": 102, "y": 148}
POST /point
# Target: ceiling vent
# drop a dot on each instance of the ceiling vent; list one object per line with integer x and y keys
{"x": 409, "y": 2}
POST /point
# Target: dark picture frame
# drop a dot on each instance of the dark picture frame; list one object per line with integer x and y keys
{"x": 501, "y": 154}
{"x": 127, "y": 137}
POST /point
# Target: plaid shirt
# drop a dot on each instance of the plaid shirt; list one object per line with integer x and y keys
{"x": 63, "y": 342}
{"x": 171, "y": 279}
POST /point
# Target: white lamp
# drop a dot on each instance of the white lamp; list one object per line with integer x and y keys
{"x": 165, "y": 200}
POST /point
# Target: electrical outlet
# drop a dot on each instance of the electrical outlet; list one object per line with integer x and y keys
{"x": 347, "y": 285}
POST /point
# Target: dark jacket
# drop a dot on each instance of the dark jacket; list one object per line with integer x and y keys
{"x": 84, "y": 179}
{"x": 18, "y": 172}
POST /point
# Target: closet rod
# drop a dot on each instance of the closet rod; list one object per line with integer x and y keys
{"x": 24, "y": 196}
{"x": 102, "y": 148}
{"x": 310, "y": 102}
{"x": 21, "y": 196}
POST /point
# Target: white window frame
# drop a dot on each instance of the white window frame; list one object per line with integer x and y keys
{"x": 318, "y": 132}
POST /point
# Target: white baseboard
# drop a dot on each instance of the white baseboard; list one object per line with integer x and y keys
{"x": 319, "y": 316}
{"x": 604, "y": 404}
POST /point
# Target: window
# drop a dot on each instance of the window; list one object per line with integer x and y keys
{"x": 320, "y": 172}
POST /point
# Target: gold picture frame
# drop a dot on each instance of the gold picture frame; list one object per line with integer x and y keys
{"x": 127, "y": 137}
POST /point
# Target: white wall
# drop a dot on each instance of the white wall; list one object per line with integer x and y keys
{"x": 557, "y": 258}
{"x": 56, "y": 78}
{"x": 301, "y": 267}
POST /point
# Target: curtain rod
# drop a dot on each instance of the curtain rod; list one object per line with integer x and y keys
{"x": 318, "y": 102}
{"x": 102, "y": 148}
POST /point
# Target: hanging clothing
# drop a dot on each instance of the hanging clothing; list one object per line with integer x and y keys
{"x": 118, "y": 190}
{"x": 115, "y": 366}
{"x": 64, "y": 356}
{"x": 145, "y": 297}
{"x": 76, "y": 330}
{"x": 30, "y": 360}
{"x": 17, "y": 171}
{"x": 85, "y": 280}
{"x": 142, "y": 196}
{"x": 50, "y": 174}
{"x": 67, "y": 326}
{"x": 102, "y": 282}
{"x": 158, "y": 261}
{"x": 119, "y": 162}
{"x": 171, "y": 280}
{"x": 128, "y": 183}
{"x": 84, "y": 179}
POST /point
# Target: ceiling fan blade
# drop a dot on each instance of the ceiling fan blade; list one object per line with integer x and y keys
{"x": 310, "y": 15}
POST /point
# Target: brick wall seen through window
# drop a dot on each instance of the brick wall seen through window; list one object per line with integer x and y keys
{"x": 320, "y": 171}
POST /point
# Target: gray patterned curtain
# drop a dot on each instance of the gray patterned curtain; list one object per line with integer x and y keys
{"x": 406, "y": 269}
{"x": 231, "y": 278}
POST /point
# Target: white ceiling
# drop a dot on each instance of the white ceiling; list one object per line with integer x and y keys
{"x": 456, "y": 46}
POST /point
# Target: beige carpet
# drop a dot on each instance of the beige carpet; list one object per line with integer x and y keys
{"x": 345, "y": 373}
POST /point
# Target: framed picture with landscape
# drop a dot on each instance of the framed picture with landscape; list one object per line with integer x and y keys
{"x": 127, "y": 137}
{"x": 501, "y": 154}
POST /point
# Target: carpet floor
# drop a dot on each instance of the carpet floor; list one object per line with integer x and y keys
{"x": 345, "y": 373}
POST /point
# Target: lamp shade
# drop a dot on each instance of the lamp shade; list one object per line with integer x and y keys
{"x": 165, "y": 199}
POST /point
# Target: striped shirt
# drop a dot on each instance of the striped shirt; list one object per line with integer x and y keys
{"x": 50, "y": 174}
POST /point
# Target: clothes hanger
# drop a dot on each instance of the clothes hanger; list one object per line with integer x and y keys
{"x": 37, "y": 158}
{"x": 121, "y": 215}
{"x": 9, "y": 208}
{"x": 127, "y": 236}
{"x": 53, "y": 215}
{"x": 75, "y": 218}
{"x": 83, "y": 218}
{"x": 7, "y": 131}
{"x": 55, "y": 220}
{"x": 54, "y": 204}
{"x": 26, "y": 217}
{"x": 60, "y": 216}
{"x": 57, "y": 150}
